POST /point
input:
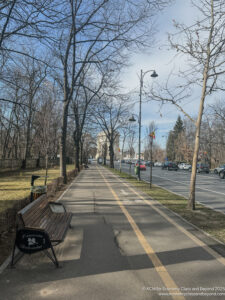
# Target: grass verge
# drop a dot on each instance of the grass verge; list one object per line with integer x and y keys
{"x": 7, "y": 234}
{"x": 15, "y": 185}
{"x": 210, "y": 221}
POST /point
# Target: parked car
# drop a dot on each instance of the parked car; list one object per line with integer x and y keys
{"x": 100, "y": 160}
{"x": 201, "y": 168}
{"x": 222, "y": 174}
{"x": 158, "y": 164}
{"x": 142, "y": 166}
{"x": 181, "y": 166}
{"x": 169, "y": 165}
{"x": 184, "y": 166}
{"x": 218, "y": 169}
{"x": 172, "y": 166}
{"x": 165, "y": 165}
{"x": 149, "y": 163}
{"x": 187, "y": 167}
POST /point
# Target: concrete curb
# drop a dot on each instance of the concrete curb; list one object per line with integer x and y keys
{"x": 60, "y": 197}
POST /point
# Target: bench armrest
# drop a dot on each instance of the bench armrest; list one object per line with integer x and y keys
{"x": 57, "y": 207}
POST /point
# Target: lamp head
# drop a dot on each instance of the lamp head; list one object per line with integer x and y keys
{"x": 154, "y": 74}
{"x": 132, "y": 119}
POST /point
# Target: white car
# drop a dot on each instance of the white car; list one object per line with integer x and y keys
{"x": 181, "y": 166}
{"x": 184, "y": 166}
{"x": 187, "y": 167}
{"x": 158, "y": 164}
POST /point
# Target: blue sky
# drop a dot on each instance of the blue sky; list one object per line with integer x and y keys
{"x": 162, "y": 61}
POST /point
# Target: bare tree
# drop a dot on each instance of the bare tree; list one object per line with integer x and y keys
{"x": 214, "y": 132}
{"x": 32, "y": 75}
{"x": 78, "y": 35}
{"x": 204, "y": 47}
{"x": 125, "y": 133}
{"x": 131, "y": 140}
{"x": 88, "y": 146}
{"x": 22, "y": 85}
{"x": 94, "y": 33}
{"x": 110, "y": 115}
{"x": 86, "y": 92}
{"x": 46, "y": 126}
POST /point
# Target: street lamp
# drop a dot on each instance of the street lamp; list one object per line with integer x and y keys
{"x": 132, "y": 119}
{"x": 152, "y": 136}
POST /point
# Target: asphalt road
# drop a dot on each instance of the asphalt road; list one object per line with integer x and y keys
{"x": 122, "y": 245}
{"x": 210, "y": 189}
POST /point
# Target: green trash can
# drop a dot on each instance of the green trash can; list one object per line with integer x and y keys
{"x": 38, "y": 190}
{"x": 136, "y": 168}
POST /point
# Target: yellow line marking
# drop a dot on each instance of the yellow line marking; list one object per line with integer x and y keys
{"x": 151, "y": 203}
{"x": 160, "y": 268}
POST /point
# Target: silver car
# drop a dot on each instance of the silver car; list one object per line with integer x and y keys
{"x": 218, "y": 169}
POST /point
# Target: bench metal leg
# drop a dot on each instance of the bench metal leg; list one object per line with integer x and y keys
{"x": 14, "y": 248}
{"x": 13, "y": 254}
{"x": 52, "y": 257}
{"x": 14, "y": 262}
{"x": 56, "y": 261}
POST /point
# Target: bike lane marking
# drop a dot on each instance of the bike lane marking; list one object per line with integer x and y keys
{"x": 159, "y": 267}
{"x": 216, "y": 255}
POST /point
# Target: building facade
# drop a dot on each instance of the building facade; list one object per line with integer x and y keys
{"x": 103, "y": 146}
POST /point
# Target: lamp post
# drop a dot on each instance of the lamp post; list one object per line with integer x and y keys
{"x": 152, "y": 136}
{"x": 132, "y": 119}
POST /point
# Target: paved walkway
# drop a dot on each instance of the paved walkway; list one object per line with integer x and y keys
{"x": 122, "y": 245}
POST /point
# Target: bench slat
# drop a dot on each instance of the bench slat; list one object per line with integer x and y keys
{"x": 34, "y": 211}
{"x": 38, "y": 214}
{"x": 57, "y": 232}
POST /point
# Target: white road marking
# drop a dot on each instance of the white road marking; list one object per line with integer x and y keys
{"x": 124, "y": 192}
{"x": 139, "y": 201}
{"x": 197, "y": 187}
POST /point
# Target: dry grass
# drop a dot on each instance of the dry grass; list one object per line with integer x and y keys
{"x": 210, "y": 221}
{"x": 15, "y": 185}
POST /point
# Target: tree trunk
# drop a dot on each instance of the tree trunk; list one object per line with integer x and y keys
{"x": 38, "y": 160}
{"x": 46, "y": 168}
{"x": 150, "y": 178}
{"x": 28, "y": 136}
{"x": 63, "y": 143}
{"x": 104, "y": 154}
{"x": 111, "y": 154}
{"x": 77, "y": 150}
{"x": 81, "y": 152}
{"x": 191, "y": 200}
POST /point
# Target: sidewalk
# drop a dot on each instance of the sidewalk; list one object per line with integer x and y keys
{"x": 121, "y": 246}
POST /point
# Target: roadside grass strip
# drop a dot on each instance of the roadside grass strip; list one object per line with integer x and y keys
{"x": 15, "y": 185}
{"x": 210, "y": 221}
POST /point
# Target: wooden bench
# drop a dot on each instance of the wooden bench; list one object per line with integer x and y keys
{"x": 40, "y": 226}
